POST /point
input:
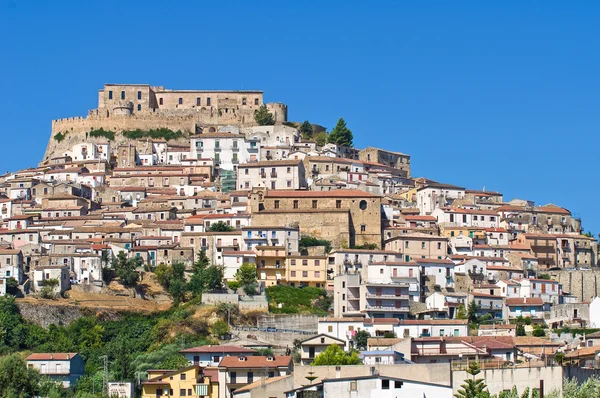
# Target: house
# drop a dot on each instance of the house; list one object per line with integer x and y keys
{"x": 439, "y": 271}
{"x": 227, "y": 149}
{"x": 417, "y": 245}
{"x": 44, "y": 273}
{"x": 237, "y": 371}
{"x": 382, "y": 357}
{"x": 497, "y": 330}
{"x": 527, "y": 307}
{"x": 266, "y": 387}
{"x": 547, "y": 289}
{"x": 375, "y": 385}
{"x": 434, "y": 195}
{"x": 211, "y": 355}
{"x": 66, "y": 368}
{"x": 191, "y": 381}
{"x": 273, "y": 174}
{"x": 509, "y": 288}
{"x": 313, "y": 346}
{"x": 487, "y": 304}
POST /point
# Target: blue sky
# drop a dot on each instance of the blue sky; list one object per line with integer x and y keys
{"x": 504, "y": 95}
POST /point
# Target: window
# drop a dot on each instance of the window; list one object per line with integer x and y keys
{"x": 250, "y": 377}
{"x": 397, "y": 384}
{"x": 182, "y": 376}
{"x": 208, "y": 101}
{"x": 244, "y": 101}
{"x": 422, "y": 245}
{"x": 271, "y": 374}
{"x": 190, "y": 392}
{"x": 304, "y": 262}
{"x": 439, "y": 245}
{"x": 139, "y": 107}
{"x": 338, "y": 204}
{"x": 139, "y": 95}
{"x": 295, "y": 204}
{"x": 385, "y": 384}
{"x": 276, "y": 204}
{"x": 406, "y": 245}
{"x": 329, "y": 329}
{"x": 198, "y": 101}
{"x": 255, "y": 101}
{"x": 353, "y": 385}
{"x": 314, "y": 204}
{"x": 122, "y": 95}
{"x": 233, "y": 377}
{"x": 363, "y": 228}
{"x": 293, "y": 261}
{"x": 289, "y": 184}
{"x": 110, "y": 95}
{"x": 317, "y": 274}
{"x": 363, "y": 205}
{"x": 293, "y": 274}
{"x": 289, "y": 170}
{"x": 180, "y": 101}
{"x": 305, "y": 274}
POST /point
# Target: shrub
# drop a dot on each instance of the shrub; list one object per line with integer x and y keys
{"x": 60, "y": 136}
{"x": 233, "y": 285}
{"x": 109, "y": 135}
{"x": 164, "y": 133}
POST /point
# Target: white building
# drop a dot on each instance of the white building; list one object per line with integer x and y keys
{"x": 228, "y": 150}
{"x": 435, "y": 195}
{"x": 275, "y": 174}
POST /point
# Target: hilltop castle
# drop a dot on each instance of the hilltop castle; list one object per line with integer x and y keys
{"x": 141, "y": 106}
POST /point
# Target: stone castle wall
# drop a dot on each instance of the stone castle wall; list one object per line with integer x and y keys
{"x": 188, "y": 120}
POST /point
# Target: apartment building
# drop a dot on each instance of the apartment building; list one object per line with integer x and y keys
{"x": 274, "y": 174}
{"x": 417, "y": 245}
{"x": 228, "y": 150}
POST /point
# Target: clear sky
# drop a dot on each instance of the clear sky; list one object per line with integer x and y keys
{"x": 497, "y": 94}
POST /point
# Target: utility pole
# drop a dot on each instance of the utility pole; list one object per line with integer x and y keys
{"x": 105, "y": 376}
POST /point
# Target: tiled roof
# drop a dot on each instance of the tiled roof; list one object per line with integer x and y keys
{"x": 256, "y": 362}
{"x": 52, "y": 356}
{"x": 338, "y": 193}
{"x": 219, "y": 349}
{"x": 524, "y": 301}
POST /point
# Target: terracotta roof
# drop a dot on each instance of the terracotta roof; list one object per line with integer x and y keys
{"x": 270, "y": 163}
{"x": 583, "y": 352}
{"x": 219, "y": 349}
{"x": 493, "y": 327}
{"x": 56, "y": 356}
{"x": 338, "y": 193}
{"x": 524, "y": 301}
{"x": 256, "y": 362}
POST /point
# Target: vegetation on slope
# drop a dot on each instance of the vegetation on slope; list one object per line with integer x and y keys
{"x": 60, "y": 136}
{"x": 162, "y": 133}
{"x": 308, "y": 300}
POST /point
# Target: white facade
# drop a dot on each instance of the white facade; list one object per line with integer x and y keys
{"x": 437, "y": 195}
{"x": 595, "y": 313}
{"x": 280, "y": 174}
{"x": 228, "y": 150}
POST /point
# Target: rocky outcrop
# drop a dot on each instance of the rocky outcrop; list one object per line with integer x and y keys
{"x": 46, "y": 314}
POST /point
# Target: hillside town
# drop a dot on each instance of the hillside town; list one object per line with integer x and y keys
{"x": 417, "y": 279}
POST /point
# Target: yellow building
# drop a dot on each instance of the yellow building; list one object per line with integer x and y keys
{"x": 192, "y": 381}
{"x": 471, "y": 232}
{"x": 270, "y": 264}
{"x": 307, "y": 271}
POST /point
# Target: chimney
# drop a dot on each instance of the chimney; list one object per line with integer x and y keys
{"x": 524, "y": 300}
{"x": 51, "y": 356}
{"x": 68, "y": 356}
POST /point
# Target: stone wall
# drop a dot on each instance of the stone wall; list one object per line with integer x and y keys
{"x": 499, "y": 380}
{"x": 583, "y": 284}
{"x": 308, "y": 323}
{"x": 45, "y": 315}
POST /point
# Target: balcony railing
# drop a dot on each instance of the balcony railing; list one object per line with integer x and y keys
{"x": 387, "y": 308}
{"x": 273, "y": 174}
{"x": 388, "y": 296}
{"x": 235, "y": 148}
{"x": 263, "y": 175}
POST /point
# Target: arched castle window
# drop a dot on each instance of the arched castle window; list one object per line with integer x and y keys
{"x": 244, "y": 101}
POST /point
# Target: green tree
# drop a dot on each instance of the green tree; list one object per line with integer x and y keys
{"x": 16, "y": 380}
{"x": 310, "y": 241}
{"x": 341, "y": 135}
{"x": 163, "y": 274}
{"x": 306, "y": 130}
{"x": 177, "y": 283}
{"x": 461, "y": 312}
{"x": 205, "y": 276}
{"x": 320, "y": 138}
{"x": 521, "y": 330}
{"x": 48, "y": 290}
{"x": 219, "y": 328}
{"x": 220, "y": 226}
{"x": 263, "y": 117}
{"x": 538, "y": 331}
{"x": 361, "y": 339}
{"x": 334, "y": 355}
{"x": 246, "y": 276}
{"x": 126, "y": 269}
{"x": 472, "y": 311}
{"x": 473, "y": 388}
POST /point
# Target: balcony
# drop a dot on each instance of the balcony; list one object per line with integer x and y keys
{"x": 390, "y": 308}
{"x": 235, "y": 148}
{"x": 269, "y": 157}
{"x": 495, "y": 307}
{"x": 217, "y": 149}
{"x": 263, "y": 175}
{"x": 387, "y": 296}
{"x": 235, "y": 161}
{"x": 273, "y": 174}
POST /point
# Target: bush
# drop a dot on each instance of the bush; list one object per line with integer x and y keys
{"x": 109, "y": 135}
{"x": 164, "y": 133}
{"x": 296, "y": 300}
{"x": 220, "y": 329}
{"x": 310, "y": 241}
{"x": 60, "y": 136}
{"x": 538, "y": 331}
{"x": 233, "y": 285}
